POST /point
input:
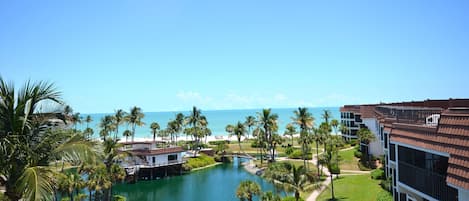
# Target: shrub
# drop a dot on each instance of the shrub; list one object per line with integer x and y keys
{"x": 386, "y": 184}
{"x": 384, "y": 196}
{"x": 254, "y": 144}
{"x": 291, "y": 198}
{"x": 119, "y": 198}
{"x": 289, "y": 150}
{"x": 200, "y": 161}
{"x": 352, "y": 142}
{"x": 378, "y": 174}
{"x": 219, "y": 142}
{"x": 362, "y": 166}
{"x": 357, "y": 154}
{"x": 298, "y": 154}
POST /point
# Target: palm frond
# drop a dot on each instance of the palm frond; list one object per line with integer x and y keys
{"x": 37, "y": 183}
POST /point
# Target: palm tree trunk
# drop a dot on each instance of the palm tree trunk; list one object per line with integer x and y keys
{"x": 332, "y": 187}
{"x": 317, "y": 157}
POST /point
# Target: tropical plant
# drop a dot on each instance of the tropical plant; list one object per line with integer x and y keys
{"x": 198, "y": 127}
{"x": 335, "y": 125}
{"x": 269, "y": 196}
{"x": 305, "y": 121}
{"x": 326, "y": 116}
{"x": 155, "y": 128}
{"x": 134, "y": 118}
{"x": 247, "y": 189}
{"x": 268, "y": 122}
{"x": 331, "y": 159}
{"x": 179, "y": 125}
{"x": 69, "y": 183}
{"x": 107, "y": 126}
{"x": 76, "y": 119}
{"x": 365, "y": 136}
{"x": 112, "y": 154}
{"x": 119, "y": 118}
{"x": 239, "y": 131}
{"x": 127, "y": 134}
{"x": 290, "y": 130}
{"x": 26, "y": 150}
{"x": 250, "y": 122}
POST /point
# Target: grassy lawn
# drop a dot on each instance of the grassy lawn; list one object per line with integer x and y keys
{"x": 353, "y": 188}
{"x": 348, "y": 162}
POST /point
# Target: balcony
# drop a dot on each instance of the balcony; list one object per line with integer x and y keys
{"x": 409, "y": 115}
{"x": 426, "y": 181}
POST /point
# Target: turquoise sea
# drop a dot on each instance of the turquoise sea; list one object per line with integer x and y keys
{"x": 217, "y": 119}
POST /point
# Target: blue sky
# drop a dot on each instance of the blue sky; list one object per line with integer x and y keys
{"x": 170, "y": 55}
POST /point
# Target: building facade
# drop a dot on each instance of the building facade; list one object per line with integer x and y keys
{"x": 426, "y": 147}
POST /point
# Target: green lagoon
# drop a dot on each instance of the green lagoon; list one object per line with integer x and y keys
{"x": 216, "y": 183}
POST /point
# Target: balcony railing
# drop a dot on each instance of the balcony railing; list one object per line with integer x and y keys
{"x": 403, "y": 114}
{"x": 426, "y": 181}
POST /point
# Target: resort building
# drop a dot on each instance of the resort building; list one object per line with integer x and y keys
{"x": 426, "y": 147}
{"x": 147, "y": 161}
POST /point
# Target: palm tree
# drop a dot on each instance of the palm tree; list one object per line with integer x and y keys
{"x": 76, "y": 119}
{"x": 127, "y": 134}
{"x": 365, "y": 136}
{"x": 119, "y": 118}
{"x": 199, "y": 126}
{"x": 331, "y": 159}
{"x": 290, "y": 130}
{"x": 326, "y": 116}
{"x": 107, "y": 126}
{"x": 172, "y": 129}
{"x": 250, "y": 122}
{"x": 155, "y": 127}
{"x": 335, "y": 125}
{"x": 98, "y": 179}
{"x": 88, "y": 120}
{"x": 26, "y": 149}
{"x": 276, "y": 140}
{"x": 111, "y": 155}
{"x": 238, "y": 130}
{"x": 269, "y": 196}
{"x": 305, "y": 121}
{"x": 70, "y": 182}
{"x": 247, "y": 189}
{"x": 268, "y": 122}
{"x": 179, "y": 124}
{"x": 135, "y": 119}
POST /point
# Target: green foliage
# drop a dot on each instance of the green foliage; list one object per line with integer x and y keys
{"x": 334, "y": 168}
{"x": 289, "y": 150}
{"x": 384, "y": 196}
{"x": 298, "y": 154}
{"x": 219, "y": 142}
{"x": 200, "y": 161}
{"x": 119, "y": 198}
{"x": 3, "y": 197}
{"x": 363, "y": 167}
{"x": 357, "y": 154}
{"x": 256, "y": 144}
{"x": 352, "y": 142}
{"x": 291, "y": 198}
{"x": 378, "y": 174}
{"x": 386, "y": 184}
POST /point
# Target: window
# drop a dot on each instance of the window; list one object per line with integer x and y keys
{"x": 392, "y": 152}
{"x": 172, "y": 157}
{"x": 153, "y": 159}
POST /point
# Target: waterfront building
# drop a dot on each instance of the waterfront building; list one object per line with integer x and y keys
{"x": 425, "y": 144}
{"x": 148, "y": 160}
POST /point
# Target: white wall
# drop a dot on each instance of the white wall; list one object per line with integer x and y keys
{"x": 375, "y": 147}
{"x": 162, "y": 159}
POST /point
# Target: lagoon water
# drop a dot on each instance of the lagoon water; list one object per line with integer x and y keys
{"x": 217, "y": 183}
{"x": 217, "y": 119}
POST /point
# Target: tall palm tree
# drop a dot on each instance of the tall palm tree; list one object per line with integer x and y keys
{"x": 247, "y": 189}
{"x": 88, "y": 120}
{"x": 239, "y": 131}
{"x": 268, "y": 121}
{"x": 111, "y": 155}
{"x": 290, "y": 130}
{"x": 172, "y": 129}
{"x": 326, "y": 116}
{"x": 179, "y": 123}
{"x": 70, "y": 182}
{"x": 155, "y": 127}
{"x": 107, "y": 126}
{"x": 98, "y": 180}
{"x": 119, "y": 118}
{"x": 250, "y": 122}
{"x": 305, "y": 121}
{"x": 76, "y": 119}
{"x": 365, "y": 136}
{"x": 198, "y": 128}
{"x": 134, "y": 118}
{"x": 331, "y": 159}
{"x": 127, "y": 134}
{"x": 335, "y": 125}
{"x": 25, "y": 150}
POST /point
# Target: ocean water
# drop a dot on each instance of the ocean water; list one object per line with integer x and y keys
{"x": 217, "y": 119}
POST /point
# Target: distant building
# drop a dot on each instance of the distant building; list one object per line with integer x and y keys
{"x": 425, "y": 143}
{"x": 146, "y": 161}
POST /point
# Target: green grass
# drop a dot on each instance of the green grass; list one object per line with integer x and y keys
{"x": 200, "y": 161}
{"x": 348, "y": 162}
{"x": 353, "y": 188}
